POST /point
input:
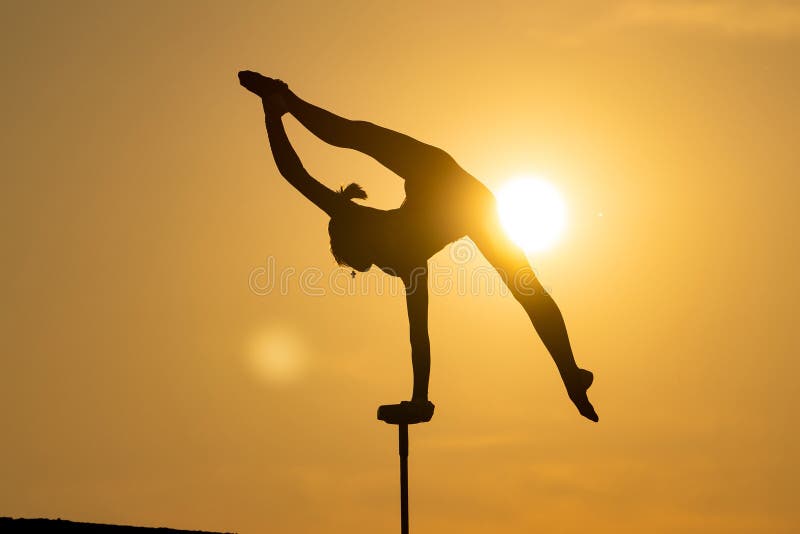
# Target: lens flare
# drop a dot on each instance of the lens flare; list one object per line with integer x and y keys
{"x": 277, "y": 355}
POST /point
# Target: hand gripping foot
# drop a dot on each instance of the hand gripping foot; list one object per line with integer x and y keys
{"x": 260, "y": 85}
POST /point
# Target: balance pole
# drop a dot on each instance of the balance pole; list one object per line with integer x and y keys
{"x": 395, "y": 417}
{"x": 402, "y": 431}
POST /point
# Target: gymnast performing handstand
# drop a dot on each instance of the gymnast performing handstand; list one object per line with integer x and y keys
{"x": 443, "y": 204}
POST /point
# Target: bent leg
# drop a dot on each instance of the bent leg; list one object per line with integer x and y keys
{"x": 404, "y": 155}
{"x": 513, "y": 267}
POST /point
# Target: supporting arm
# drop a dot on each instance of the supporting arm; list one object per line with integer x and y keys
{"x": 417, "y": 303}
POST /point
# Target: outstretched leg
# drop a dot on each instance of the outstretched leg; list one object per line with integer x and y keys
{"x": 409, "y": 158}
{"x": 513, "y": 267}
{"x": 404, "y": 155}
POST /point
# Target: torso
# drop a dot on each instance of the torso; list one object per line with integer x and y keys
{"x": 431, "y": 217}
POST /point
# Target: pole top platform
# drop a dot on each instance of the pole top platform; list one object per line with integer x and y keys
{"x": 406, "y": 413}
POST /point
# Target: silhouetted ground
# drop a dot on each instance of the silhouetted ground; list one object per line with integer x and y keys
{"x": 8, "y": 524}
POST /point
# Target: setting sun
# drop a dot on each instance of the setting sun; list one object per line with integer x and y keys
{"x": 532, "y": 212}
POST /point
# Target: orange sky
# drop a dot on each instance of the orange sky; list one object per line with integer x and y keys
{"x": 138, "y": 197}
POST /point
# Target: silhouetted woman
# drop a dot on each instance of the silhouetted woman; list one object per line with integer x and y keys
{"x": 443, "y": 203}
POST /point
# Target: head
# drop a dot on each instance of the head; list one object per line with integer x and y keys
{"x": 349, "y": 243}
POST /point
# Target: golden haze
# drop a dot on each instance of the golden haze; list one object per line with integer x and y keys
{"x": 138, "y": 196}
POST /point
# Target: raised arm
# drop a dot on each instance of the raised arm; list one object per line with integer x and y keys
{"x": 289, "y": 163}
{"x": 409, "y": 158}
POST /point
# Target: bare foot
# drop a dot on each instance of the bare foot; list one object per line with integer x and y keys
{"x": 577, "y": 393}
{"x": 259, "y": 84}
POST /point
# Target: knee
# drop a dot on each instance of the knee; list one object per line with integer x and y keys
{"x": 526, "y": 288}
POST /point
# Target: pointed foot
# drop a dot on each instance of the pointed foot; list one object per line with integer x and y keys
{"x": 577, "y": 393}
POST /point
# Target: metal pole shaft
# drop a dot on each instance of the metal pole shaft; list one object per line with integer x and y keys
{"x": 403, "y": 437}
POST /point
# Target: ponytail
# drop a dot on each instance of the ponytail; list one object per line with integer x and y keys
{"x": 352, "y": 191}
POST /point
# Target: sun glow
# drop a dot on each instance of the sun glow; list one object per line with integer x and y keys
{"x": 532, "y": 212}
